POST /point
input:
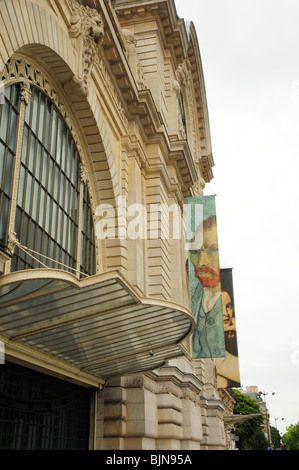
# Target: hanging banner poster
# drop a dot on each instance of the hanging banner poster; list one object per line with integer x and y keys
{"x": 204, "y": 277}
{"x": 228, "y": 373}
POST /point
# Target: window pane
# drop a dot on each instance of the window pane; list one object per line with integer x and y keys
{"x": 39, "y": 241}
{"x": 48, "y": 210}
{"x": 9, "y": 172}
{"x": 31, "y": 156}
{"x": 58, "y": 141}
{"x": 45, "y": 162}
{"x": 2, "y": 159}
{"x": 28, "y": 189}
{"x": 54, "y": 220}
{"x": 34, "y": 111}
{"x": 4, "y": 209}
{"x": 38, "y": 160}
{"x": 54, "y": 131}
{"x": 64, "y": 148}
{"x": 28, "y": 113}
{"x": 18, "y": 225}
{"x": 25, "y": 228}
{"x": 15, "y": 97}
{"x": 4, "y": 121}
{"x": 25, "y": 145}
{"x": 35, "y": 199}
{"x": 42, "y": 109}
{"x": 13, "y": 130}
{"x": 56, "y": 183}
{"x": 21, "y": 186}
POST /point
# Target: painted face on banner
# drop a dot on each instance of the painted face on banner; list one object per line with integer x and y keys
{"x": 227, "y": 309}
{"x": 206, "y": 259}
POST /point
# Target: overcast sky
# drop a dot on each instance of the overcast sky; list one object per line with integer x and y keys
{"x": 250, "y": 59}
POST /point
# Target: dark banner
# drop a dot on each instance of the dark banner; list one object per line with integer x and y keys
{"x": 228, "y": 374}
{"x": 204, "y": 277}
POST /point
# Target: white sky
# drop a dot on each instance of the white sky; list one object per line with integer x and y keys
{"x": 250, "y": 60}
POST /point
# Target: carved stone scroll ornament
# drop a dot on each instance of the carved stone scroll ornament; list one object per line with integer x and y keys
{"x": 86, "y": 33}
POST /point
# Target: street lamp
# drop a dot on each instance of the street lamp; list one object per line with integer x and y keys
{"x": 267, "y": 417}
{"x": 275, "y": 419}
{"x": 266, "y": 393}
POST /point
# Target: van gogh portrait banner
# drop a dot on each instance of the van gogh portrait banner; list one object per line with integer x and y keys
{"x": 204, "y": 277}
{"x": 228, "y": 373}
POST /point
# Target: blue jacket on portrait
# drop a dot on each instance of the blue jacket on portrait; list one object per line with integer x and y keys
{"x": 208, "y": 336}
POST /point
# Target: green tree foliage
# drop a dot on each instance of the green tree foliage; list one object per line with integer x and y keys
{"x": 276, "y": 438}
{"x": 251, "y": 436}
{"x": 291, "y": 438}
{"x": 257, "y": 441}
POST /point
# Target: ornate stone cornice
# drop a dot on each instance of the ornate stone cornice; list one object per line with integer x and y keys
{"x": 171, "y": 27}
{"x": 227, "y": 399}
{"x": 132, "y": 146}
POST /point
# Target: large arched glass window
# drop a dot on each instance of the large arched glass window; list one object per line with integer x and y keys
{"x": 53, "y": 216}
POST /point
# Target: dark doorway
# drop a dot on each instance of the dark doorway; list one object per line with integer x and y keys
{"x": 39, "y": 412}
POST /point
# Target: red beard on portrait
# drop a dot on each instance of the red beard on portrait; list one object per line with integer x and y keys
{"x": 207, "y": 276}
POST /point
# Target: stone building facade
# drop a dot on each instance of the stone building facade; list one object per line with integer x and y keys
{"x": 115, "y": 91}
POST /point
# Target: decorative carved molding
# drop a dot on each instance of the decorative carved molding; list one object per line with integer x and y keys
{"x": 133, "y": 381}
{"x": 12, "y": 242}
{"x": 86, "y": 33}
{"x": 84, "y": 174}
{"x": 191, "y": 395}
{"x": 131, "y": 145}
{"x": 183, "y": 72}
{"x": 25, "y": 92}
{"x": 184, "y": 79}
{"x": 100, "y": 66}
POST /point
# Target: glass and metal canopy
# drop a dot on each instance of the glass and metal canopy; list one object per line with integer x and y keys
{"x": 98, "y": 324}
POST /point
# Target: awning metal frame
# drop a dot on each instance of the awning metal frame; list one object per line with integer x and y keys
{"x": 89, "y": 329}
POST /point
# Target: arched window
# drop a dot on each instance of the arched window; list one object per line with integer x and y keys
{"x": 53, "y": 216}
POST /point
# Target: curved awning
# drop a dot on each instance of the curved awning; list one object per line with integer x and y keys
{"x": 98, "y": 324}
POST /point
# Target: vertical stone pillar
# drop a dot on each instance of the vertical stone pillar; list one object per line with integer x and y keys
{"x": 114, "y": 397}
{"x": 192, "y": 423}
{"x": 141, "y": 413}
{"x": 170, "y": 420}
